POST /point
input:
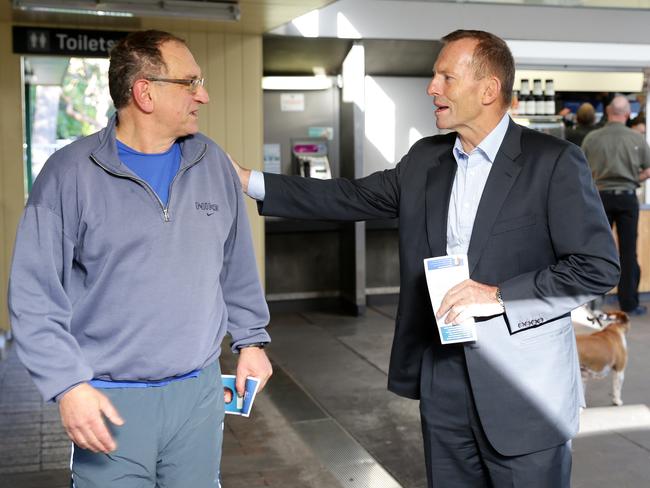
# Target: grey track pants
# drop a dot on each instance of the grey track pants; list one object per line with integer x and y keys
{"x": 171, "y": 437}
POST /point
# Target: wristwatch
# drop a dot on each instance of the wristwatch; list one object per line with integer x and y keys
{"x": 500, "y": 298}
{"x": 261, "y": 345}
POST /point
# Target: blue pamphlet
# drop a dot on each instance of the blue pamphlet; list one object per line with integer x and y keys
{"x": 234, "y": 404}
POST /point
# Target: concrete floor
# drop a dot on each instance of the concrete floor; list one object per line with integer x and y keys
{"x": 327, "y": 421}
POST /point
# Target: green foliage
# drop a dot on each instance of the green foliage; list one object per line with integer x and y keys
{"x": 85, "y": 102}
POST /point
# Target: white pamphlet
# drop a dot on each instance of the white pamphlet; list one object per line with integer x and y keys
{"x": 443, "y": 273}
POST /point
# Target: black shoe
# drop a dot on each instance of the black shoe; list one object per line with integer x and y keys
{"x": 640, "y": 310}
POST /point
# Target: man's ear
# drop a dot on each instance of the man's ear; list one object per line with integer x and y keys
{"x": 491, "y": 90}
{"x": 142, "y": 96}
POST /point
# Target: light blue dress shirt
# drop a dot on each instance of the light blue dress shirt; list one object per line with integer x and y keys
{"x": 469, "y": 182}
{"x": 256, "y": 188}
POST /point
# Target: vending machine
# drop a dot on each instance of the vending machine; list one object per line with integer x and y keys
{"x": 310, "y": 159}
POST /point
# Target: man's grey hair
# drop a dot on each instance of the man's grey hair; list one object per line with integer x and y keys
{"x": 619, "y": 105}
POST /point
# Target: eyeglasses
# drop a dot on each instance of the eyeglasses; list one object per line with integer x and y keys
{"x": 192, "y": 84}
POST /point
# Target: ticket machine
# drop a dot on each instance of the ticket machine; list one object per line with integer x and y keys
{"x": 310, "y": 158}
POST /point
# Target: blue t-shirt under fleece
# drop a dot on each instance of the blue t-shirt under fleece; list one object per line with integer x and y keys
{"x": 158, "y": 170}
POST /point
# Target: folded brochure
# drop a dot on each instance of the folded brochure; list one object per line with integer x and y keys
{"x": 236, "y": 405}
{"x": 443, "y": 273}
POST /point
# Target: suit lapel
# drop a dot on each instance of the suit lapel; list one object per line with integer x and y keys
{"x": 440, "y": 179}
{"x": 502, "y": 176}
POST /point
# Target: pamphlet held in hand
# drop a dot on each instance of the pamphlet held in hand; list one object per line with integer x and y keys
{"x": 443, "y": 273}
{"x": 236, "y": 405}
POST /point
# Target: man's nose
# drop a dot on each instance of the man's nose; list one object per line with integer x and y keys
{"x": 432, "y": 88}
{"x": 202, "y": 95}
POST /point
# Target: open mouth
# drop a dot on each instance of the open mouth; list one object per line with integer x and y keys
{"x": 440, "y": 109}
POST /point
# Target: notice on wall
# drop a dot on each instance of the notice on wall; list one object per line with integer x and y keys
{"x": 292, "y": 102}
{"x": 272, "y": 159}
{"x": 324, "y": 132}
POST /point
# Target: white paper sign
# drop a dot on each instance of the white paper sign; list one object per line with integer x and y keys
{"x": 443, "y": 273}
{"x": 292, "y": 102}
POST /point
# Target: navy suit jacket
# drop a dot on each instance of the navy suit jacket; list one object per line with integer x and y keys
{"x": 540, "y": 234}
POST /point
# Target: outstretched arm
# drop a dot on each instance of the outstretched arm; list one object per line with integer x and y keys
{"x": 373, "y": 197}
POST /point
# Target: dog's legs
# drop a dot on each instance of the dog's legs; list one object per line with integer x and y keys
{"x": 617, "y": 385}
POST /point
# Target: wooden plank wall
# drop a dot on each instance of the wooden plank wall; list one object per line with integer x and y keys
{"x": 232, "y": 66}
{"x": 12, "y": 184}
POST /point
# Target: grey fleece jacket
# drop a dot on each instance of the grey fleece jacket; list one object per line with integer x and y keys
{"x": 107, "y": 283}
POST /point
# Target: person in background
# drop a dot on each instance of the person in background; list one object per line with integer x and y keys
{"x": 638, "y": 123}
{"x": 499, "y": 412}
{"x": 619, "y": 158}
{"x": 585, "y": 120}
{"x": 132, "y": 261}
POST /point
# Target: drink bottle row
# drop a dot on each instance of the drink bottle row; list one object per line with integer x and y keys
{"x": 536, "y": 103}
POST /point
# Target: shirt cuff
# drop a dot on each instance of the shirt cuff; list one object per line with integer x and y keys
{"x": 256, "y": 188}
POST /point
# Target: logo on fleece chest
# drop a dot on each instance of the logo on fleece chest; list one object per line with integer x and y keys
{"x": 207, "y": 207}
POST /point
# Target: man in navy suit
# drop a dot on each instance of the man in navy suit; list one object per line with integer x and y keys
{"x": 500, "y": 411}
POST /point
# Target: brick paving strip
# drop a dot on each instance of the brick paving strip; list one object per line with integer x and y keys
{"x": 34, "y": 450}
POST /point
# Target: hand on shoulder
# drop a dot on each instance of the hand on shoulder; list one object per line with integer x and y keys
{"x": 244, "y": 174}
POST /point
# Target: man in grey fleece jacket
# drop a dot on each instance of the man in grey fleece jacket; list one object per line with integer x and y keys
{"x": 124, "y": 281}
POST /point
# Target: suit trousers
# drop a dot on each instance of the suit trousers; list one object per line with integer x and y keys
{"x": 457, "y": 452}
{"x": 623, "y": 210}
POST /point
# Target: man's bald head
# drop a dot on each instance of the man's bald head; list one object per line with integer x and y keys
{"x": 618, "y": 109}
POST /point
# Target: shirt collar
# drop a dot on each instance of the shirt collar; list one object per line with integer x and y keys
{"x": 492, "y": 142}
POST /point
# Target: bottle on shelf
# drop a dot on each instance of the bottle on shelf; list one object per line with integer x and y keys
{"x": 524, "y": 97}
{"x": 549, "y": 97}
{"x": 514, "y": 103}
{"x": 538, "y": 96}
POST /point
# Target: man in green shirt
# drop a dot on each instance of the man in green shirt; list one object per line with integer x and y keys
{"x": 620, "y": 160}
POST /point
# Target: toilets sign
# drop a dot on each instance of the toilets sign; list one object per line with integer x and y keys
{"x": 66, "y": 42}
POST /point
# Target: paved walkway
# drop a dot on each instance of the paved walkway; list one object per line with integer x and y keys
{"x": 33, "y": 446}
{"x": 327, "y": 421}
